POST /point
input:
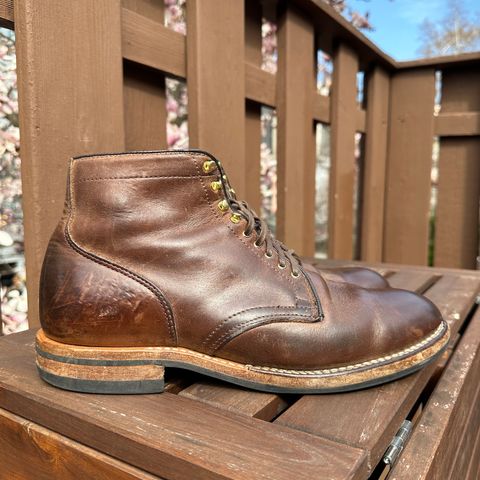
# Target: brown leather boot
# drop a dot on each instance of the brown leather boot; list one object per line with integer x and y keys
{"x": 155, "y": 264}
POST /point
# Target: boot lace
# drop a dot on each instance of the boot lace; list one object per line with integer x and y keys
{"x": 264, "y": 237}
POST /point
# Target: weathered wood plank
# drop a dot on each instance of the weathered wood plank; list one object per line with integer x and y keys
{"x": 216, "y": 83}
{"x": 454, "y": 296}
{"x": 369, "y": 418}
{"x": 431, "y": 451}
{"x": 414, "y": 281}
{"x": 28, "y": 450}
{"x": 70, "y": 102}
{"x": 169, "y": 435}
{"x": 378, "y": 89}
{"x": 296, "y": 134}
{"x": 342, "y": 147}
{"x": 474, "y": 466}
{"x": 394, "y": 267}
{"x": 407, "y": 199}
{"x": 265, "y": 406}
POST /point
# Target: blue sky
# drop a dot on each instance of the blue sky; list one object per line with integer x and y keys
{"x": 397, "y": 22}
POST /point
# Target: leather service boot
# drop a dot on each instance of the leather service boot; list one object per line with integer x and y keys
{"x": 156, "y": 264}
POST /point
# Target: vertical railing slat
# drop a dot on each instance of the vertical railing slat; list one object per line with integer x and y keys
{"x": 296, "y": 137}
{"x": 378, "y": 86}
{"x": 410, "y": 140}
{"x": 343, "y": 106}
{"x": 253, "y": 54}
{"x": 457, "y": 222}
{"x": 144, "y": 92}
{"x": 216, "y": 82}
{"x": 71, "y": 102}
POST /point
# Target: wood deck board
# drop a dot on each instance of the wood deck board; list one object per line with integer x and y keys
{"x": 52, "y": 456}
{"x": 261, "y": 405}
{"x": 369, "y": 418}
{"x": 437, "y": 441}
{"x": 169, "y": 435}
{"x": 205, "y": 431}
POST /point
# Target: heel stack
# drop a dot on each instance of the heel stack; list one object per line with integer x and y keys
{"x": 111, "y": 370}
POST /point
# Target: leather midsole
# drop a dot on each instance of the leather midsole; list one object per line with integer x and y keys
{"x": 73, "y": 361}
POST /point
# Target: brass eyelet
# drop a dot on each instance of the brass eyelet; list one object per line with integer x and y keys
{"x": 223, "y": 205}
{"x": 245, "y": 235}
{"x": 282, "y": 266}
{"x": 269, "y": 254}
{"x": 235, "y": 218}
{"x": 256, "y": 245}
{"x": 208, "y": 166}
{"x": 216, "y": 186}
{"x": 295, "y": 275}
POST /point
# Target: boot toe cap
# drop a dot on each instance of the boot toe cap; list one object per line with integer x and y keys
{"x": 370, "y": 327}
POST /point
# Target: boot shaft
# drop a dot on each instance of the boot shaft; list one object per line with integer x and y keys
{"x": 161, "y": 222}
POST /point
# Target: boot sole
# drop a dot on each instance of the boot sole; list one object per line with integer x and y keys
{"x": 132, "y": 370}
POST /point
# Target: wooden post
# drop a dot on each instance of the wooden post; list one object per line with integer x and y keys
{"x": 144, "y": 92}
{"x": 410, "y": 141}
{"x": 216, "y": 82}
{"x": 343, "y": 108}
{"x": 296, "y": 134}
{"x": 71, "y": 102}
{"x": 378, "y": 85}
{"x": 253, "y": 134}
{"x": 457, "y": 223}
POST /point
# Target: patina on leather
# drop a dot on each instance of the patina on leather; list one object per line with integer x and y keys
{"x": 144, "y": 256}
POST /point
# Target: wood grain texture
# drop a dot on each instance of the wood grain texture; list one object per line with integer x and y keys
{"x": 378, "y": 89}
{"x": 169, "y": 435}
{"x": 261, "y": 405}
{"x": 342, "y": 147}
{"x": 216, "y": 83}
{"x": 70, "y": 103}
{"x": 28, "y": 450}
{"x": 296, "y": 134}
{"x": 410, "y": 141}
{"x": 438, "y": 447}
{"x": 454, "y": 296}
{"x": 416, "y": 282}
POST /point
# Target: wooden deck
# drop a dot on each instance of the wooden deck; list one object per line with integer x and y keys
{"x": 202, "y": 428}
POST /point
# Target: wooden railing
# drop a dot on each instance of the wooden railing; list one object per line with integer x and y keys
{"x": 91, "y": 78}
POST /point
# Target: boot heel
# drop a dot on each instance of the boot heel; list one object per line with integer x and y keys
{"x": 111, "y": 370}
